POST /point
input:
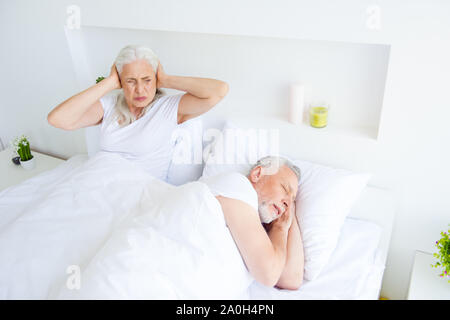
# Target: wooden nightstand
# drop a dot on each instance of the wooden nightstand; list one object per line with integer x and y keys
{"x": 425, "y": 283}
{"x": 11, "y": 174}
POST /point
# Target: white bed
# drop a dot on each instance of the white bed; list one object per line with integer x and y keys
{"x": 346, "y": 276}
{"x": 37, "y": 244}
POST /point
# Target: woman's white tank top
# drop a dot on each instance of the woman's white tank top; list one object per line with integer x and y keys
{"x": 148, "y": 141}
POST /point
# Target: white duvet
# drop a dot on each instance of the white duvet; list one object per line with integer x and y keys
{"x": 131, "y": 237}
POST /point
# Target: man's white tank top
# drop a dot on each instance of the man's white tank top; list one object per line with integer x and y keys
{"x": 232, "y": 185}
{"x": 146, "y": 141}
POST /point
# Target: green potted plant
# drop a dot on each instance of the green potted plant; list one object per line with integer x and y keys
{"x": 443, "y": 255}
{"x": 99, "y": 79}
{"x": 21, "y": 146}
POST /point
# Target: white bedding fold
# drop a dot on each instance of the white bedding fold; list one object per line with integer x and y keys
{"x": 175, "y": 245}
{"x": 133, "y": 236}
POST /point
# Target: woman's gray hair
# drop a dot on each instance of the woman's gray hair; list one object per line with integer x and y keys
{"x": 132, "y": 53}
{"x": 127, "y": 55}
{"x": 278, "y": 162}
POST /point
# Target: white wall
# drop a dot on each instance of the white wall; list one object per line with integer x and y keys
{"x": 351, "y": 77}
{"x": 410, "y": 156}
{"x": 37, "y": 74}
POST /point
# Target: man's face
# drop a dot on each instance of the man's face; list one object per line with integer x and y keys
{"x": 276, "y": 191}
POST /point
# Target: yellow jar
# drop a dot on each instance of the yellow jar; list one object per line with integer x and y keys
{"x": 318, "y": 117}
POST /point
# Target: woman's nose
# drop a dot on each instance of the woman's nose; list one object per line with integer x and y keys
{"x": 139, "y": 88}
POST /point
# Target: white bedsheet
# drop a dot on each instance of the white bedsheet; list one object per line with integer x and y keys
{"x": 132, "y": 236}
{"x": 353, "y": 271}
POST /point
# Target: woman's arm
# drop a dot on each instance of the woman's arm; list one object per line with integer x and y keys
{"x": 83, "y": 108}
{"x": 202, "y": 93}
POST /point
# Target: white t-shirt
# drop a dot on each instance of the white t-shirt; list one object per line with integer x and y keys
{"x": 146, "y": 141}
{"x": 232, "y": 185}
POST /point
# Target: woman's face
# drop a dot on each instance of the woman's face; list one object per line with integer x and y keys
{"x": 139, "y": 83}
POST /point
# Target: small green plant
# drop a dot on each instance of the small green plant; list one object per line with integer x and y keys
{"x": 22, "y": 146}
{"x": 99, "y": 79}
{"x": 443, "y": 254}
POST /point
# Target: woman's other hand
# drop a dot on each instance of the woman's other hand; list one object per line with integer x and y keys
{"x": 114, "y": 77}
{"x": 160, "y": 77}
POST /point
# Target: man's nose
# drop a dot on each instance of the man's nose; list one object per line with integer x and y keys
{"x": 286, "y": 204}
{"x": 282, "y": 207}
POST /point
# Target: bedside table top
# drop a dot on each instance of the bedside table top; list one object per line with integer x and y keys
{"x": 11, "y": 174}
{"x": 425, "y": 283}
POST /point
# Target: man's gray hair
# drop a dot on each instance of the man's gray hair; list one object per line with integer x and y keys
{"x": 278, "y": 162}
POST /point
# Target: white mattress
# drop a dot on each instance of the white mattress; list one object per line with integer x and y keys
{"x": 353, "y": 271}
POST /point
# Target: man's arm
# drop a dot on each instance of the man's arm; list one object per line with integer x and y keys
{"x": 292, "y": 275}
{"x": 264, "y": 257}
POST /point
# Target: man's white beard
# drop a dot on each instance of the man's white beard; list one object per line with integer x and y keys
{"x": 264, "y": 213}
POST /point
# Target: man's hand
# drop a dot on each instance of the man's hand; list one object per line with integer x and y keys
{"x": 285, "y": 220}
{"x": 292, "y": 275}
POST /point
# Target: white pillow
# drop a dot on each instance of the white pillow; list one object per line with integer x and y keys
{"x": 324, "y": 198}
{"x": 186, "y": 164}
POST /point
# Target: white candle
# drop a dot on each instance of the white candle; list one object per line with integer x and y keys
{"x": 296, "y": 103}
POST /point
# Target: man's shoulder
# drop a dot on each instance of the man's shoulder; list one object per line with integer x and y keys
{"x": 238, "y": 208}
{"x": 233, "y": 185}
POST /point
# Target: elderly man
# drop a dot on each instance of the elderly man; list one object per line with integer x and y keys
{"x": 269, "y": 242}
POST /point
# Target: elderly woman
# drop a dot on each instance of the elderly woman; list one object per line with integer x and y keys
{"x": 137, "y": 121}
